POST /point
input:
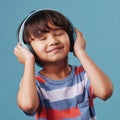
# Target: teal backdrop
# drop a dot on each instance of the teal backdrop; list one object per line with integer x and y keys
{"x": 99, "y": 20}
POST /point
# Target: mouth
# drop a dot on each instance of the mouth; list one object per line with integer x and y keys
{"x": 55, "y": 49}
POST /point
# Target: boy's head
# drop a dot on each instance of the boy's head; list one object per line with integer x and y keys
{"x": 39, "y": 23}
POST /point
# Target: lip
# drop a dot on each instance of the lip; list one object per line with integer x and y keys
{"x": 55, "y": 49}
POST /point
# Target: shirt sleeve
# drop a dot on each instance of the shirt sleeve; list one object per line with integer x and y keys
{"x": 89, "y": 87}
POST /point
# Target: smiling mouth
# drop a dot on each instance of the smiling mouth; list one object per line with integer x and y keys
{"x": 56, "y": 49}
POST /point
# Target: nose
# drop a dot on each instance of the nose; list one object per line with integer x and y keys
{"x": 53, "y": 40}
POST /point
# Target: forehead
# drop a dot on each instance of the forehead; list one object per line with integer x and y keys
{"x": 54, "y": 27}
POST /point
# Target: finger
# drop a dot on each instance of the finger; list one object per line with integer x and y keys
{"x": 16, "y": 51}
{"x": 79, "y": 33}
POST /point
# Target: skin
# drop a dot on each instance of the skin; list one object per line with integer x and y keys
{"x": 55, "y": 47}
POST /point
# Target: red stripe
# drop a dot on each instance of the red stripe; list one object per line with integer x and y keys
{"x": 92, "y": 96}
{"x": 79, "y": 70}
{"x": 40, "y": 79}
{"x": 52, "y": 114}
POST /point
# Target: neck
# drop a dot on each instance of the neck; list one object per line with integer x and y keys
{"x": 57, "y": 71}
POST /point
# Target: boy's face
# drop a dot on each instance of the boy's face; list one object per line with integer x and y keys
{"x": 52, "y": 46}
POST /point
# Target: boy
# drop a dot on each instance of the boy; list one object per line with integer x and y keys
{"x": 58, "y": 91}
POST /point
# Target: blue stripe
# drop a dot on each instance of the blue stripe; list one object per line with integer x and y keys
{"x": 71, "y": 80}
{"x": 78, "y": 101}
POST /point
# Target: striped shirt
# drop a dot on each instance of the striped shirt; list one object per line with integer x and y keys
{"x": 67, "y": 99}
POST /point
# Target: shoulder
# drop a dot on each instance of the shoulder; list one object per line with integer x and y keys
{"x": 78, "y": 69}
{"x": 39, "y": 78}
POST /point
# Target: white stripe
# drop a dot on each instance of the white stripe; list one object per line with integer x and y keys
{"x": 85, "y": 79}
{"x": 64, "y": 93}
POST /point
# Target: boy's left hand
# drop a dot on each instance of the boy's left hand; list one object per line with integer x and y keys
{"x": 80, "y": 43}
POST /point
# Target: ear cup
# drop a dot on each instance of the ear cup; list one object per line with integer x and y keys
{"x": 21, "y": 41}
{"x": 72, "y": 39}
{"x": 72, "y": 35}
{"x": 20, "y": 34}
{"x": 27, "y": 46}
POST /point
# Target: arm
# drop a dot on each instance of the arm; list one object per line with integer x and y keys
{"x": 101, "y": 84}
{"x": 27, "y": 94}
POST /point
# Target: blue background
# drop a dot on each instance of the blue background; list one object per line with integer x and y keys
{"x": 98, "y": 20}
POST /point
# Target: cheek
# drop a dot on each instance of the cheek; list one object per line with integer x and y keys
{"x": 68, "y": 46}
{"x": 38, "y": 49}
{"x": 67, "y": 42}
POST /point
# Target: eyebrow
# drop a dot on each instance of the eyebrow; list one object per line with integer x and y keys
{"x": 57, "y": 28}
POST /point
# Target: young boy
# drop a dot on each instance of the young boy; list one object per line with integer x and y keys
{"x": 58, "y": 91}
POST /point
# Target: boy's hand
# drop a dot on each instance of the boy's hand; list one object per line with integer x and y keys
{"x": 80, "y": 43}
{"x": 23, "y": 54}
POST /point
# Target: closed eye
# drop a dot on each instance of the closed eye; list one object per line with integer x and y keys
{"x": 59, "y": 34}
{"x": 43, "y": 37}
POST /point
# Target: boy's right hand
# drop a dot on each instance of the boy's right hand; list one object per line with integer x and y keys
{"x": 23, "y": 54}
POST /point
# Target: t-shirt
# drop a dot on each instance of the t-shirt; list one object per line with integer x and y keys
{"x": 68, "y": 99}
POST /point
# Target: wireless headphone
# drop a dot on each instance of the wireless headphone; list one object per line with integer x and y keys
{"x": 27, "y": 46}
